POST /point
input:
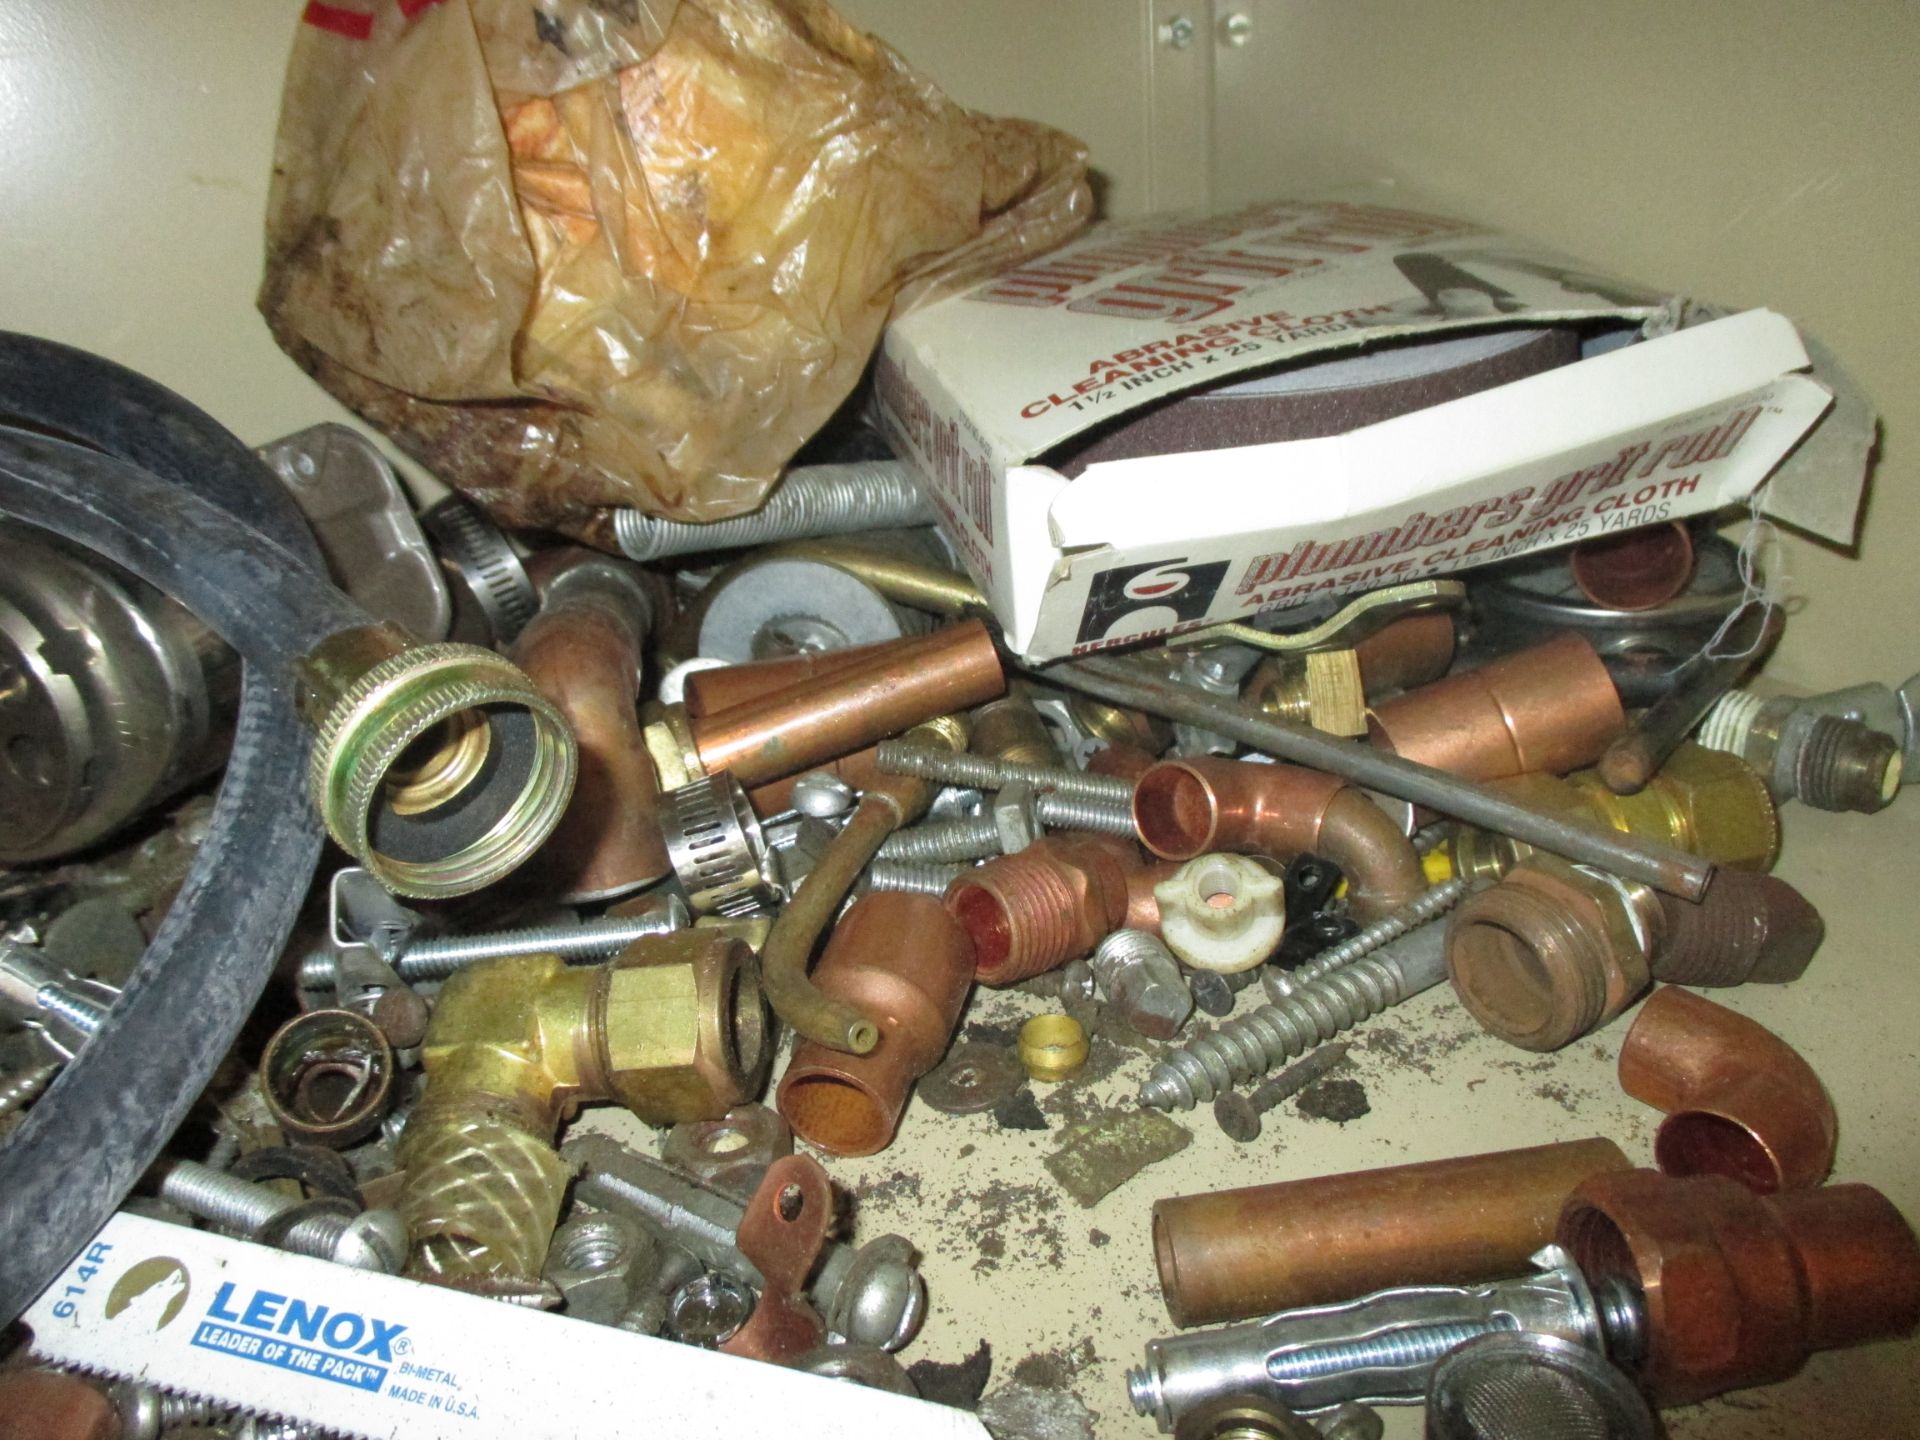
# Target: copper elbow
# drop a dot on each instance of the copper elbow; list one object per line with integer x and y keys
{"x": 1184, "y": 808}
{"x": 1739, "y": 1101}
{"x": 1052, "y": 902}
{"x": 1550, "y": 707}
{"x": 584, "y": 651}
{"x": 1738, "y": 1289}
{"x": 851, "y": 1104}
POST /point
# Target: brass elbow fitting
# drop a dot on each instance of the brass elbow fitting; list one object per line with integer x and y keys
{"x": 1713, "y": 804}
{"x": 1052, "y": 902}
{"x": 1551, "y": 707}
{"x": 1739, "y": 1100}
{"x": 850, "y": 1104}
{"x": 1738, "y": 1289}
{"x": 1184, "y": 808}
{"x": 438, "y": 767}
{"x": 584, "y": 650}
{"x": 1552, "y": 952}
{"x": 673, "y": 1028}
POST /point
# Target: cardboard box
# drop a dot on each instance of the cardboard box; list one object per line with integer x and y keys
{"x": 1671, "y": 410}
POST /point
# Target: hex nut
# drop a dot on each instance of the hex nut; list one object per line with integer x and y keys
{"x": 1052, "y": 1047}
{"x": 685, "y": 1027}
{"x": 601, "y": 1263}
{"x": 1016, "y": 816}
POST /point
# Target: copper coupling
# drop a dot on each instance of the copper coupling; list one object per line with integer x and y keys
{"x": 1236, "y": 1254}
{"x": 1738, "y": 1289}
{"x": 584, "y": 651}
{"x": 1739, "y": 1100}
{"x": 1705, "y": 801}
{"x": 1550, "y": 707}
{"x": 1052, "y": 902}
{"x": 1184, "y": 808}
{"x": 832, "y": 714}
{"x": 907, "y": 963}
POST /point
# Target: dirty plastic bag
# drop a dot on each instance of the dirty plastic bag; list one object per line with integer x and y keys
{"x": 575, "y": 254}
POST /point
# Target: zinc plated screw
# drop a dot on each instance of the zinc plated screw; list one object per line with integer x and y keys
{"x": 1238, "y": 1114}
{"x": 902, "y": 757}
{"x": 1255, "y": 1043}
{"x": 375, "y": 1240}
{"x": 978, "y": 838}
{"x": 146, "y": 1413}
{"x": 914, "y": 877}
{"x": 812, "y": 500}
{"x": 1432, "y": 904}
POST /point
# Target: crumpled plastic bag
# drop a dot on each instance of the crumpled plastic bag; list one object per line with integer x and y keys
{"x": 573, "y": 254}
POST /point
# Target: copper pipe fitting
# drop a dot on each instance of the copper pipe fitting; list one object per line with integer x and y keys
{"x": 1236, "y": 1254}
{"x": 838, "y": 713}
{"x": 1124, "y": 762}
{"x": 1052, "y": 902}
{"x": 584, "y": 651}
{"x": 1552, "y": 952}
{"x": 1748, "y": 928}
{"x": 1011, "y": 729}
{"x": 1185, "y": 808}
{"x": 851, "y": 1104}
{"x": 1705, "y": 801}
{"x": 1550, "y": 707}
{"x": 1738, "y": 1288}
{"x": 1143, "y": 903}
{"x": 1635, "y": 569}
{"x": 708, "y": 692}
{"x": 1739, "y": 1100}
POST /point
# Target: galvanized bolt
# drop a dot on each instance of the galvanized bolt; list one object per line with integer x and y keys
{"x": 915, "y": 878}
{"x": 811, "y": 500}
{"x": 903, "y": 757}
{"x": 374, "y": 1240}
{"x": 439, "y": 957}
{"x": 1009, "y": 827}
{"x": 1177, "y": 32}
{"x": 34, "y": 990}
{"x": 1141, "y": 979}
{"x": 1238, "y": 1114}
{"x": 823, "y": 795}
{"x": 1236, "y": 29}
{"x": 1431, "y": 905}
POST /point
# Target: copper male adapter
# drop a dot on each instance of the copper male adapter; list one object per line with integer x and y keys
{"x": 1738, "y": 1289}
{"x": 1052, "y": 902}
{"x": 1739, "y": 1100}
{"x": 1550, "y": 707}
{"x": 1236, "y": 1254}
{"x": 1184, "y": 808}
{"x": 907, "y": 963}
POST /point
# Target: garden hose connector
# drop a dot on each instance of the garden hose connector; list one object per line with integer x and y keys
{"x": 438, "y": 767}
{"x": 1713, "y": 804}
{"x": 673, "y": 1028}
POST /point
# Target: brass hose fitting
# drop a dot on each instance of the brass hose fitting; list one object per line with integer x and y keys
{"x": 1185, "y": 808}
{"x": 438, "y": 767}
{"x": 1552, "y": 952}
{"x": 851, "y": 1104}
{"x": 584, "y": 650}
{"x": 1739, "y": 1100}
{"x": 673, "y": 1028}
{"x": 1705, "y": 801}
{"x": 830, "y": 715}
{"x": 1739, "y": 1289}
{"x": 890, "y": 801}
{"x": 1052, "y": 902}
{"x": 1011, "y": 729}
{"x": 1550, "y": 707}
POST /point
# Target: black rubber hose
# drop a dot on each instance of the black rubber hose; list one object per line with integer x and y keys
{"x": 95, "y": 1131}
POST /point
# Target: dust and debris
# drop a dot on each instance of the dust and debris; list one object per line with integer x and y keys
{"x": 966, "y": 1150}
{"x": 993, "y": 1249}
{"x": 1015, "y": 1222}
{"x": 1029, "y": 1412}
{"x": 987, "y": 1033}
{"x": 1099, "y": 1155}
{"x": 888, "y": 1191}
{"x": 1337, "y": 1099}
{"x": 1397, "y": 1048}
{"x": 1560, "y": 1095}
{"x": 1055, "y": 1369}
{"x": 1097, "y": 1238}
{"x": 1020, "y": 1111}
{"x": 959, "y": 1384}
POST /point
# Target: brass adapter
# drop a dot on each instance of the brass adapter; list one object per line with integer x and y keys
{"x": 1713, "y": 804}
{"x": 673, "y": 1028}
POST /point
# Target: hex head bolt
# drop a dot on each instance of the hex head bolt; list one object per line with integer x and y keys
{"x": 374, "y": 1240}
{"x": 1014, "y": 822}
{"x": 1238, "y": 1114}
{"x": 977, "y": 772}
{"x": 1139, "y": 975}
{"x": 595, "y": 939}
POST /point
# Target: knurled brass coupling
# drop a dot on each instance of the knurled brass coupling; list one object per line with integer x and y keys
{"x": 1705, "y": 801}
{"x": 1553, "y": 951}
{"x": 674, "y": 1028}
{"x": 1051, "y": 903}
{"x": 438, "y": 767}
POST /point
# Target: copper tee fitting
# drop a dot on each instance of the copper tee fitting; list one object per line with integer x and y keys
{"x": 584, "y": 651}
{"x": 833, "y": 714}
{"x": 1184, "y": 808}
{"x": 1550, "y": 707}
{"x": 1236, "y": 1254}
{"x": 1739, "y": 1101}
{"x": 906, "y": 962}
{"x": 1052, "y": 902}
{"x": 1738, "y": 1288}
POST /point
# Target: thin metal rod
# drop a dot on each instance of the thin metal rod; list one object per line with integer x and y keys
{"x": 1119, "y": 683}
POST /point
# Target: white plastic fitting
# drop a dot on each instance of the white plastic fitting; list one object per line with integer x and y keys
{"x": 1223, "y": 913}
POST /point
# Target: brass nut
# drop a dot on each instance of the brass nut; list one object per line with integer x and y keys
{"x": 1713, "y": 804}
{"x": 669, "y": 740}
{"x": 684, "y": 1027}
{"x": 1052, "y": 1047}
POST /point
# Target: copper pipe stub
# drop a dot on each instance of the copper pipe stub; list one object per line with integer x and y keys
{"x": 1739, "y": 1101}
{"x": 1635, "y": 569}
{"x": 1052, "y": 902}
